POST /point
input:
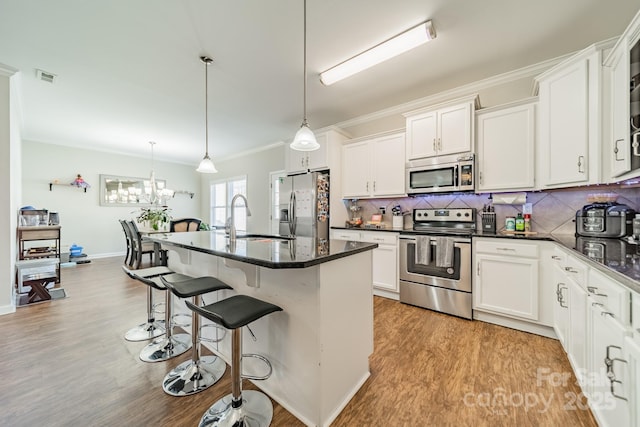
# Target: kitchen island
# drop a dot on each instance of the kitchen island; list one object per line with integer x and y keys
{"x": 320, "y": 344}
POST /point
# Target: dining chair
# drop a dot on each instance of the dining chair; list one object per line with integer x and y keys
{"x": 184, "y": 224}
{"x": 127, "y": 236}
{"x": 139, "y": 248}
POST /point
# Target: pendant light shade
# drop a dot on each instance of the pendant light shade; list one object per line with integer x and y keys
{"x": 206, "y": 164}
{"x": 304, "y": 140}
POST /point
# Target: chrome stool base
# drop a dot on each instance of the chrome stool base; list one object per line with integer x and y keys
{"x": 192, "y": 377}
{"x": 165, "y": 348}
{"x": 145, "y": 331}
{"x": 256, "y": 410}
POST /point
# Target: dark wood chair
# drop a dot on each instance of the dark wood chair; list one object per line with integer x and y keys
{"x": 184, "y": 224}
{"x": 139, "y": 248}
{"x": 127, "y": 236}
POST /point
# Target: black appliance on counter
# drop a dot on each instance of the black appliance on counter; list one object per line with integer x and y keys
{"x": 609, "y": 220}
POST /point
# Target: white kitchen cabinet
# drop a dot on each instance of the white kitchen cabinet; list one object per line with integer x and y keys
{"x": 374, "y": 167}
{"x": 561, "y": 316}
{"x": 617, "y": 144}
{"x": 570, "y": 120}
{"x": 607, "y": 367}
{"x": 323, "y": 158}
{"x": 506, "y": 278}
{"x": 442, "y": 129}
{"x": 505, "y": 141}
{"x": 631, "y": 377}
{"x": 385, "y": 258}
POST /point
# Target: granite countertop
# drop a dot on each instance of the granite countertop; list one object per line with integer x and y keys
{"x": 618, "y": 258}
{"x": 301, "y": 252}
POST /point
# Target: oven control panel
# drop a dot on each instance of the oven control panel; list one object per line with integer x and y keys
{"x": 444, "y": 215}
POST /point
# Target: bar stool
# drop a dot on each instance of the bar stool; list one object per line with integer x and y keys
{"x": 151, "y": 328}
{"x": 171, "y": 345}
{"x": 251, "y": 408}
{"x": 201, "y": 372}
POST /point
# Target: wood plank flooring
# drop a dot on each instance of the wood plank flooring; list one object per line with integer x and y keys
{"x": 66, "y": 363}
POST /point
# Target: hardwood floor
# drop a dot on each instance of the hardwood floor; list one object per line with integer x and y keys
{"x": 66, "y": 363}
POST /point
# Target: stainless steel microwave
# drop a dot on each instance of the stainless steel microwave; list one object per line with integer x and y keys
{"x": 440, "y": 174}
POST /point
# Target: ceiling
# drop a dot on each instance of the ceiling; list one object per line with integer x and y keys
{"x": 128, "y": 72}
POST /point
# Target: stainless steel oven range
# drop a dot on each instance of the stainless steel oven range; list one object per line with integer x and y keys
{"x": 435, "y": 261}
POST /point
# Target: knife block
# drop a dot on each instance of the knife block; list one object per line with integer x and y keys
{"x": 488, "y": 222}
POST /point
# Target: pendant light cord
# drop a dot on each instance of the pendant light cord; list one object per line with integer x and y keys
{"x": 304, "y": 59}
{"x": 206, "y": 105}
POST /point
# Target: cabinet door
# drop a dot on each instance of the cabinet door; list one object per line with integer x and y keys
{"x": 507, "y": 286}
{"x": 620, "y": 149}
{"x": 561, "y": 307}
{"x": 319, "y": 159}
{"x": 577, "y": 339}
{"x": 385, "y": 267}
{"x": 611, "y": 409}
{"x": 295, "y": 161}
{"x": 454, "y": 129}
{"x": 355, "y": 170}
{"x": 387, "y": 167}
{"x": 564, "y": 125}
{"x": 506, "y": 149}
{"x": 631, "y": 377}
{"x": 422, "y": 135}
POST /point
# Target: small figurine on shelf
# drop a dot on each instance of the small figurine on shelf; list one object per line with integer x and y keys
{"x": 80, "y": 183}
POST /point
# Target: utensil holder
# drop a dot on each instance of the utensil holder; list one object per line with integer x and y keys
{"x": 488, "y": 222}
{"x": 397, "y": 221}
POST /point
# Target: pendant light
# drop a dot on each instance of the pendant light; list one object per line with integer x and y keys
{"x": 305, "y": 140}
{"x": 206, "y": 164}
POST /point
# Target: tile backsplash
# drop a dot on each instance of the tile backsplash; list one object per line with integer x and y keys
{"x": 553, "y": 210}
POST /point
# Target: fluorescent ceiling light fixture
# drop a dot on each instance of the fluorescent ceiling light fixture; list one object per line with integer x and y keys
{"x": 401, "y": 43}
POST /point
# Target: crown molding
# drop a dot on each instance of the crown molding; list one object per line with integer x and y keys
{"x": 468, "y": 89}
{"x": 6, "y": 70}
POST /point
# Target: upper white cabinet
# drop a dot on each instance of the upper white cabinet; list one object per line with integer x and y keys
{"x": 570, "y": 120}
{"x": 442, "y": 129}
{"x": 621, "y": 139}
{"x": 617, "y": 145}
{"x": 374, "y": 167}
{"x": 505, "y": 138}
{"x": 326, "y": 157}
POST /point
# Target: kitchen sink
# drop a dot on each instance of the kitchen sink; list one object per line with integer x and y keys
{"x": 264, "y": 237}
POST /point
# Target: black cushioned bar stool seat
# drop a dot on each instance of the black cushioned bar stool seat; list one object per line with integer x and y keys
{"x": 249, "y": 408}
{"x": 151, "y": 328}
{"x": 200, "y": 372}
{"x": 171, "y": 345}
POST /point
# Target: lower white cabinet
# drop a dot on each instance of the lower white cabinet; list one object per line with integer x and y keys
{"x": 607, "y": 369}
{"x": 631, "y": 377}
{"x": 385, "y": 258}
{"x": 509, "y": 287}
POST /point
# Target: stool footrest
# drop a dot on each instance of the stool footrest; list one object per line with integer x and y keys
{"x": 262, "y": 359}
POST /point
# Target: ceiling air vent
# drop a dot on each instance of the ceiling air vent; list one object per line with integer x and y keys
{"x": 45, "y": 76}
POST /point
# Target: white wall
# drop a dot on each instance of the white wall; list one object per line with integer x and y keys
{"x": 84, "y": 222}
{"x": 256, "y": 166}
{"x": 9, "y": 176}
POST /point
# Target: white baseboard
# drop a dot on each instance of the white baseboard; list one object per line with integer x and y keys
{"x": 520, "y": 325}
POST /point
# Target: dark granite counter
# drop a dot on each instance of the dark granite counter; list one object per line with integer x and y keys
{"x": 302, "y": 252}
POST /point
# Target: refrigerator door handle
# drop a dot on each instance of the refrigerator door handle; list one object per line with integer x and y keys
{"x": 294, "y": 218}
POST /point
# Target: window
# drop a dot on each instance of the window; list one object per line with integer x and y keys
{"x": 221, "y": 194}
{"x": 275, "y": 178}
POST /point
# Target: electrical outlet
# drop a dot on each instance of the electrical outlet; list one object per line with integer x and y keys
{"x": 383, "y": 210}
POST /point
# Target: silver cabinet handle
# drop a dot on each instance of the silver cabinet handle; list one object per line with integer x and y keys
{"x": 434, "y": 145}
{"x": 635, "y": 144}
{"x": 556, "y": 257}
{"x": 506, "y": 249}
{"x": 611, "y": 375}
{"x": 616, "y": 150}
{"x": 580, "y": 164}
{"x": 439, "y": 144}
{"x": 374, "y": 186}
{"x": 607, "y": 313}
{"x": 571, "y": 270}
{"x": 367, "y": 186}
{"x": 480, "y": 177}
{"x": 593, "y": 290}
{"x": 560, "y": 287}
{"x": 478, "y": 270}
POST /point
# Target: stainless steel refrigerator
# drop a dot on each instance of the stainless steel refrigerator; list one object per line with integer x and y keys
{"x": 304, "y": 205}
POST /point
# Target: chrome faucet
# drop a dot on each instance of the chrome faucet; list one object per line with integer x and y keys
{"x": 232, "y": 220}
